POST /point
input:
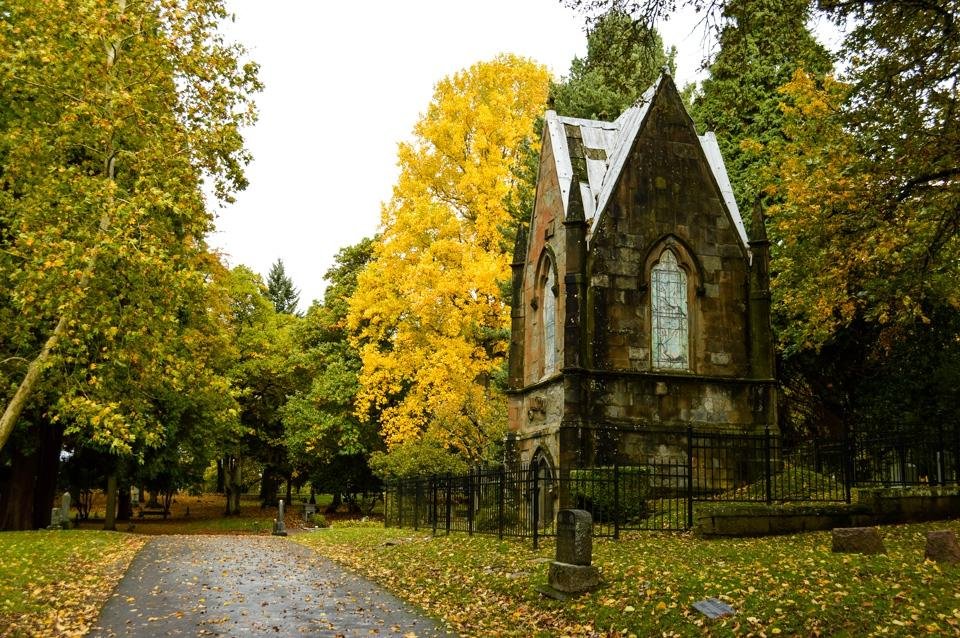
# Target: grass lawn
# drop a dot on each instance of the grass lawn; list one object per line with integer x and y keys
{"x": 53, "y": 583}
{"x": 786, "y": 585}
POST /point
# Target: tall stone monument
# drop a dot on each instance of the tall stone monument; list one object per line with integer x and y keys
{"x": 572, "y": 571}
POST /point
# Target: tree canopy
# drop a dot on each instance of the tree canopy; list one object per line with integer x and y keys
{"x": 428, "y": 315}
{"x": 624, "y": 57}
{"x": 114, "y": 114}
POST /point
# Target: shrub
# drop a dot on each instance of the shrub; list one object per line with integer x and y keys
{"x": 486, "y": 519}
{"x": 594, "y": 490}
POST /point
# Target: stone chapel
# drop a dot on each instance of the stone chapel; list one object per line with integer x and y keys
{"x": 640, "y": 304}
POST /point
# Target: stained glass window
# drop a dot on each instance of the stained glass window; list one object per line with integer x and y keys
{"x": 549, "y": 323}
{"x": 671, "y": 327}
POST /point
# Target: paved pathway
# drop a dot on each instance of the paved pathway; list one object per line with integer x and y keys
{"x": 249, "y": 586}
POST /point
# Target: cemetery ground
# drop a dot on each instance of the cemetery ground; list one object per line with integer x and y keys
{"x": 55, "y": 582}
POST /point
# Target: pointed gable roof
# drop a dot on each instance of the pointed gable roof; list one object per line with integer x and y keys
{"x": 590, "y": 155}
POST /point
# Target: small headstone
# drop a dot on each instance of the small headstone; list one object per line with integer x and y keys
{"x": 942, "y": 547}
{"x": 713, "y": 608}
{"x": 55, "y": 519}
{"x": 279, "y": 529}
{"x": 858, "y": 540}
{"x": 65, "y": 510}
{"x": 309, "y": 510}
{"x": 572, "y": 572}
{"x": 574, "y": 537}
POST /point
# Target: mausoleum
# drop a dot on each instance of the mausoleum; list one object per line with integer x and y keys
{"x": 640, "y": 303}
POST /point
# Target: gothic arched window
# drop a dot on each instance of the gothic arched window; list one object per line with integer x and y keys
{"x": 670, "y": 320}
{"x": 549, "y": 319}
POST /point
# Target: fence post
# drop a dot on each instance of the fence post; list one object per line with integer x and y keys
{"x": 689, "y": 476}
{"x": 449, "y": 505}
{"x": 433, "y": 502}
{"x": 768, "y": 473}
{"x": 400, "y": 504}
{"x": 417, "y": 490}
{"x": 470, "y": 502}
{"x": 536, "y": 509}
{"x": 940, "y": 451}
{"x": 616, "y": 501}
{"x": 501, "y": 479}
{"x": 956, "y": 454}
{"x": 849, "y": 462}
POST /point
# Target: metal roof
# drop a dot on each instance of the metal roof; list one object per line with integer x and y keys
{"x": 592, "y": 153}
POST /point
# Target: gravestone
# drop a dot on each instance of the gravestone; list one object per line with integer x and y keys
{"x": 942, "y": 547}
{"x": 55, "y": 519}
{"x": 572, "y": 571}
{"x": 65, "y": 510}
{"x": 309, "y": 510}
{"x": 713, "y": 608}
{"x": 278, "y": 526}
{"x": 857, "y": 540}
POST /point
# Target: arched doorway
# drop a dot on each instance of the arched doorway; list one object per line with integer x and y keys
{"x": 542, "y": 490}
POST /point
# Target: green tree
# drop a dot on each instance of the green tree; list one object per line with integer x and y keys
{"x": 280, "y": 289}
{"x": 114, "y": 113}
{"x": 262, "y": 377}
{"x": 624, "y": 57}
{"x": 323, "y": 432}
{"x": 762, "y": 43}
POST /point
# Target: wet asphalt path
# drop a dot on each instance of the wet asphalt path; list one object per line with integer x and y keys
{"x": 249, "y": 586}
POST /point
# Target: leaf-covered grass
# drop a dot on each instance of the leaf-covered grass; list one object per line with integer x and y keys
{"x": 786, "y": 585}
{"x": 53, "y": 583}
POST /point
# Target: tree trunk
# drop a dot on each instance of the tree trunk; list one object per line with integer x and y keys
{"x": 28, "y": 492}
{"x": 110, "y": 516}
{"x": 124, "y": 504}
{"x": 50, "y": 437}
{"x": 268, "y": 487}
{"x": 232, "y": 485}
{"x": 337, "y": 502}
{"x": 289, "y": 490}
{"x": 221, "y": 485}
{"x": 16, "y": 499}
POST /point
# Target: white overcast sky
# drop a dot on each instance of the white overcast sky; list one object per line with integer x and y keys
{"x": 346, "y": 81}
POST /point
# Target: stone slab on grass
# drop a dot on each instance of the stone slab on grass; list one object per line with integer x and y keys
{"x": 942, "y": 547}
{"x": 858, "y": 540}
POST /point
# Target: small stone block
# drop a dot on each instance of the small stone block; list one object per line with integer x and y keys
{"x": 572, "y": 578}
{"x": 942, "y": 547}
{"x": 550, "y": 592}
{"x": 857, "y": 540}
{"x": 713, "y": 608}
{"x": 574, "y": 537}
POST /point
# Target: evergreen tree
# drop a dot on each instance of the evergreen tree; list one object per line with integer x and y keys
{"x": 280, "y": 289}
{"x": 762, "y": 44}
{"x": 624, "y": 58}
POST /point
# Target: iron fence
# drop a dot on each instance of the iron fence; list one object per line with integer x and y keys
{"x": 688, "y": 467}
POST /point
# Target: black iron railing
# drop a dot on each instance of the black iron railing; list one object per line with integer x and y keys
{"x": 687, "y": 467}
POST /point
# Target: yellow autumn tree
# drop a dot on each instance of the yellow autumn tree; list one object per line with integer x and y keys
{"x": 428, "y": 316}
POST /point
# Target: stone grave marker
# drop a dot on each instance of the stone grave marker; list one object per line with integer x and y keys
{"x": 65, "y": 510}
{"x": 309, "y": 510}
{"x": 279, "y": 529}
{"x": 572, "y": 571}
{"x": 713, "y": 608}
{"x": 942, "y": 547}
{"x": 55, "y": 519}
{"x": 858, "y": 540}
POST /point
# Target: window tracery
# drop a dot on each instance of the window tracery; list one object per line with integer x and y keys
{"x": 670, "y": 320}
